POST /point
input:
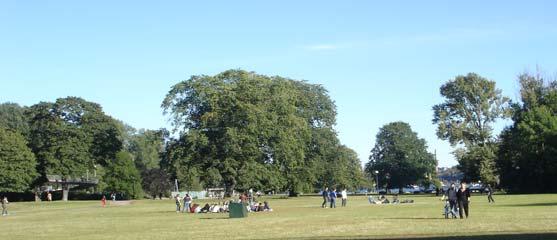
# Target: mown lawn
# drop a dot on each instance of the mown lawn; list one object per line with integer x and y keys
{"x": 511, "y": 217}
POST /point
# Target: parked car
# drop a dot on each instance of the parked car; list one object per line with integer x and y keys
{"x": 362, "y": 191}
{"x": 476, "y": 187}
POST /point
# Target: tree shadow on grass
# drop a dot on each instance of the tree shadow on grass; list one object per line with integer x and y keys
{"x": 531, "y": 205}
{"x": 214, "y": 217}
{"x": 518, "y": 236}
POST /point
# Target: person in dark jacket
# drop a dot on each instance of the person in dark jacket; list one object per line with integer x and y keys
{"x": 451, "y": 196}
{"x": 333, "y": 198}
{"x": 490, "y": 194}
{"x": 463, "y": 197}
{"x": 325, "y": 195}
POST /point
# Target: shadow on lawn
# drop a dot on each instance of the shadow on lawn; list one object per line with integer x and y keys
{"x": 519, "y": 236}
{"x": 416, "y": 218}
{"x": 531, "y": 205}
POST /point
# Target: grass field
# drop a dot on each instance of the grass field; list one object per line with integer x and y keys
{"x": 512, "y": 217}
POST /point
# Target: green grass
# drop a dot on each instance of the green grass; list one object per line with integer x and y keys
{"x": 512, "y": 217}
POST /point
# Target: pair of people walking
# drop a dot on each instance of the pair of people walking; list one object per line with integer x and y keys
{"x": 458, "y": 198}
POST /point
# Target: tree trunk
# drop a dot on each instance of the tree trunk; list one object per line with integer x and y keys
{"x": 229, "y": 189}
{"x": 65, "y": 192}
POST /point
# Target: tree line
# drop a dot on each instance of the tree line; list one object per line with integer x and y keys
{"x": 237, "y": 130}
{"x": 520, "y": 159}
{"x": 241, "y": 130}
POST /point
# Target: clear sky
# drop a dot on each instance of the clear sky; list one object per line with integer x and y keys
{"x": 381, "y": 61}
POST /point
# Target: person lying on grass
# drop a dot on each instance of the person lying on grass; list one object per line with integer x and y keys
{"x": 383, "y": 200}
{"x": 266, "y": 207}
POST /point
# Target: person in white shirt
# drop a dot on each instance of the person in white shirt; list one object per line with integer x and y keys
{"x": 216, "y": 209}
{"x": 344, "y": 196}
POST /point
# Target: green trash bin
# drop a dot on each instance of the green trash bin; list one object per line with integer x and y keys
{"x": 237, "y": 210}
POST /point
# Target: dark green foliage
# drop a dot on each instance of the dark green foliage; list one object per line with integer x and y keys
{"x": 527, "y": 158}
{"x": 472, "y": 103}
{"x": 478, "y": 162}
{"x": 146, "y": 146}
{"x": 155, "y": 181}
{"x": 242, "y": 130}
{"x": 122, "y": 177}
{"x": 71, "y": 136}
{"x": 400, "y": 156}
{"x": 12, "y": 117}
{"x": 17, "y": 162}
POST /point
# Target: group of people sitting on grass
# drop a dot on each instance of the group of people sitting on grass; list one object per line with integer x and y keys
{"x": 210, "y": 208}
{"x": 249, "y": 200}
{"x": 186, "y": 205}
{"x": 259, "y": 207}
{"x": 383, "y": 200}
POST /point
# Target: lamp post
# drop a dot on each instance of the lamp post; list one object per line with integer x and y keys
{"x": 376, "y": 181}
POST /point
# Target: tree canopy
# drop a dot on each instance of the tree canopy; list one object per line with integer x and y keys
{"x": 472, "y": 104}
{"x": 527, "y": 157}
{"x": 122, "y": 176}
{"x": 17, "y": 162}
{"x": 12, "y": 117}
{"x": 242, "y": 130}
{"x": 400, "y": 156}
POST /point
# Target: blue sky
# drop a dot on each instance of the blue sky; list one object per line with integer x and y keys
{"x": 381, "y": 61}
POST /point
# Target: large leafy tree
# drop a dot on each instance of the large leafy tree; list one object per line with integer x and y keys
{"x": 242, "y": 130}
{"x": 527, "y": 154}
{"x": 70, "y": 136}
{"x": 12, "y": 116}
{"x": 17, "y": 162}
{"x": 122, "y": 176}
{"x": 400, "y": 156}
{"x": 155, "y": 181}
{"x": 472, "y": 104}
{"x": 344, "y": 169}
{"x": 147, "y": 147}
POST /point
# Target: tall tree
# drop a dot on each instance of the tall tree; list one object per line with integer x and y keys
{"x": 122, "y": 176}
{"x": 155, "y": 181}
{"x": 526, "y": 157}
{"x": 17, "y": 162}
{"x": 242, "y": 130}
{"x": 146, "y": 147}
{"x": 70, "y": 136}
{"x": 400, "y": 156}
{"x": 472, "y": 104}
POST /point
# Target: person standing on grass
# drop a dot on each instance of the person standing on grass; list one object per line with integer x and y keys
{"x": 451, "y": 196}
{"x": 103, "y": 201}
{"x": 490, "y": 194}
{"x": 250, "y": 196}
{"x": 344, "y": 196}
{"x": 187, "y": 203}
{"x": 463, "y": 196}
{"x": 49, "y": 197}
{"x": 333, "y": 198}
{"x": 177, "y": 198}
{"x": 325, "y": 195}
{"x": 5, "y": 206}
